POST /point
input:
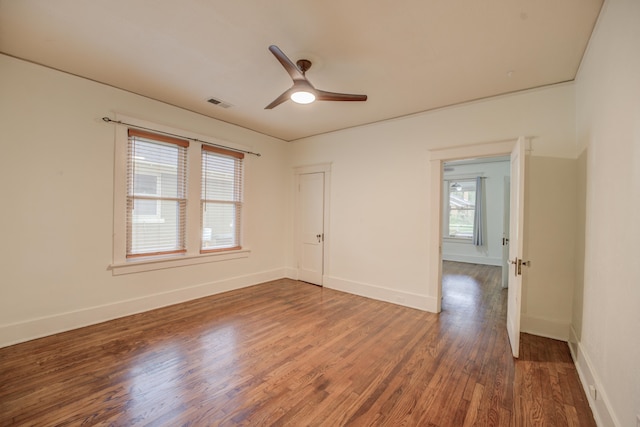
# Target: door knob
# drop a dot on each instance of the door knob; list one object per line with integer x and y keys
{"x": 519, "y": 263}
{"x": 516, "y": 264}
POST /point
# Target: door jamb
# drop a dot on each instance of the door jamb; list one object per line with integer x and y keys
{"x": 437, "y": 158}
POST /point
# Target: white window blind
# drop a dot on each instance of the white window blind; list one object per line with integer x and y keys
{"x": 156, "y": 194}
{"x": 221, "y": 203}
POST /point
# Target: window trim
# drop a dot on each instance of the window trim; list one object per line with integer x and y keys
{"x": 238, "y": 204}
{"x": 120, "y": 263}
{"x": 134, "y": 135}
{"x": 159, "y": 263}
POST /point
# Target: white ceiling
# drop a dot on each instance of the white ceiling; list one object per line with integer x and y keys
{"x": 406, "y": 55}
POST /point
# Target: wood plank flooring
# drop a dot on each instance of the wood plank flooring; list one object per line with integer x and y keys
{"x": 289, "y": 353}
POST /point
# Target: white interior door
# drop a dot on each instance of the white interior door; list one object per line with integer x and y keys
{"x": 310, "y": 222}
{"x": 516, "y": 228}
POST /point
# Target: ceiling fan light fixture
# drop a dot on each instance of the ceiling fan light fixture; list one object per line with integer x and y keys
{"x": 302, "y": 91}
{"x": 303, "y": 97}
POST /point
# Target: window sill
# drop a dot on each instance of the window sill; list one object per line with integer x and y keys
{"x": 159, "y": 263}
{"x": 468, "y": 240}
{"x": 148, "y": 220}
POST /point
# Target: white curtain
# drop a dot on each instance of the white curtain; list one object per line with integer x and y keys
{"x": 478, "y": 219}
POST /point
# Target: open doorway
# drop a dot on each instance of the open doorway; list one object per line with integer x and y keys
{"x": 517, "y": 152}
{"x": 474, "y": 229}
{"x": 437, "y": 158}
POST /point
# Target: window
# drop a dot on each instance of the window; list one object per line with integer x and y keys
{"x": 461, "y": 208}
{"x": 156, "y": 194}
{"x": 178, "y": 201}
{"x": 221, "y": 199}
{"x": 147, "y": 210}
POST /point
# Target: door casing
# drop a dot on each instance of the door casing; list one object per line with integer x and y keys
{"x": 437, "y": 158}
{"x": 505, "y": 231}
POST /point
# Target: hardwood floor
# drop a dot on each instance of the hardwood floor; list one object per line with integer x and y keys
{"x": 289, "y": 353}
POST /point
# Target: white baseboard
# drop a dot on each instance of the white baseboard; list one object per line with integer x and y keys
{"x": 291, "y": 273}
{"x": 545, "y": 328}
{"x": 472, "y": 259}
{"x": 600, "y": 407}
{"x": 15, "y": 333}
{"x": 407, "y": 299}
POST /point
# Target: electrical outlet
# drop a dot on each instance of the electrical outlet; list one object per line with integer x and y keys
{"x": 593, "y": 392}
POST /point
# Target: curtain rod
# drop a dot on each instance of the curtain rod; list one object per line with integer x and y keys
{"x": 108, "y": 120}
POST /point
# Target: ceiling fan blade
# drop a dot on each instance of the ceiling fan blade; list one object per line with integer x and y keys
{"x": 301, "y": 84}
{"x": 279, "y": 100}
{"x": 289, "y": 66}
{"x": 298, "y": 85}
{"x": 322, "y": 95}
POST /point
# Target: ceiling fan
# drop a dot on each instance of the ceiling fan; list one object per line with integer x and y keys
{"x": 302, "y": 90}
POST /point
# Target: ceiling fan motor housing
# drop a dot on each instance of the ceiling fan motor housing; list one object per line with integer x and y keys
{"x": 303, "y": 64}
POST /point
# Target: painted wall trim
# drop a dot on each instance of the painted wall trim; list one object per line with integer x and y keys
{"x": 601, "y": 408}
{"x": 547, "y": 328}
{"x": 15, "y": 333}
{"x": 291, "y": 273}
{"x": 481, "y": 149}
{"x": 182, "y": 261}
{"x": 436, "y": 158}
{"x": 407, "y": 299}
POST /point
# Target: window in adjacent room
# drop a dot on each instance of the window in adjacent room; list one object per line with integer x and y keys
{"x": 461, "y": 208}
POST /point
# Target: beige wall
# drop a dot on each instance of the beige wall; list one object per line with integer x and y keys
{"x": 547, "y": 293}
{"x": 379, "y": 201}
{"x": 56, "y": 182}
{"x": 380, "y": 197}
{"x": 608, "y": 125}
{"x": 61, "y": 154}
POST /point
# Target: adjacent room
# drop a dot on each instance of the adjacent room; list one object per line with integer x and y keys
{"x": 320, "y": 213}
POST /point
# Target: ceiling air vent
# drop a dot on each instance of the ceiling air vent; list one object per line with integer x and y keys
{"x": 219, "y": 103}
